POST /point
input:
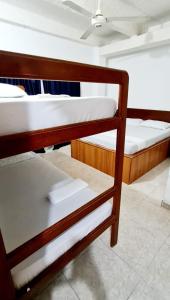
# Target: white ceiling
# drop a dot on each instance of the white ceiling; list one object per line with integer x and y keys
{"x": 73, "y": 24}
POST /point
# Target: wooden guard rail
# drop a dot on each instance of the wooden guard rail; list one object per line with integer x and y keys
{"x": 141, "y": 113}
{"x": 32, "y": 140}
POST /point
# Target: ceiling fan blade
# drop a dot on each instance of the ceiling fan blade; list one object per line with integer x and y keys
{"x": 137, "y": 19}
{"x": 77, "y": 8}
{"x": 87, "y": 33}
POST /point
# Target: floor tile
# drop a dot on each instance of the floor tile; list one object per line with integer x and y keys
{"x": 157, "y": 195}
{"x": 145, "y": 292}
{"x": 59, "y": 289}
{"x": 100, "y": 274}
{"x": 158, "y": 273}
{"x": 55, "y": 157}
{"x": 153, "y": 178}
{"x": 138, "y": 267}
{"x": 136, "y": 245}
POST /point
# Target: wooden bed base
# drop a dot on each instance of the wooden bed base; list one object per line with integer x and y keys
{"x": 26, "y": 66}
{"x": 134, "y": 166}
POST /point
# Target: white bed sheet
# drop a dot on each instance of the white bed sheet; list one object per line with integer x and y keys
{"x": 25, "y": 211}
{"x": 37, "y": 112}
{"x": 137, "y": 138}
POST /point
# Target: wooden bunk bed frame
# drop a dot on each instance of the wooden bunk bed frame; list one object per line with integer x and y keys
{"x": 25, "y": 66}
{"x": 134, "y": 165}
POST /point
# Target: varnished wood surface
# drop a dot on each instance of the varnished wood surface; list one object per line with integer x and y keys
{"x": 148, "y": 114}
{"x": 33, "y": 140}
{"x": 93, "y": 155}
{"x": 147, "y": 159}
{"x": 16, "y": 65}
{"x": 100, "y": 158}
{"x": 120, "y": 143}
{"x": 134, "y": 166}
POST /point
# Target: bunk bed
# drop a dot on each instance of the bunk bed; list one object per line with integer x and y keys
{"x": 94, "y": 151}
{"x": 14, "y": 142}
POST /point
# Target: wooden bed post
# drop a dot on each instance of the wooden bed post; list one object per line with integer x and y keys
{"x": 122, "y": 112}
{"x": 7, "y": 290}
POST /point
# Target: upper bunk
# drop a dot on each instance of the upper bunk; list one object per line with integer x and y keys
{"x": 97, "y": 113}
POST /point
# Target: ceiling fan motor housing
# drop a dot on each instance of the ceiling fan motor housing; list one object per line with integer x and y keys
{"x": 98, "y": 20}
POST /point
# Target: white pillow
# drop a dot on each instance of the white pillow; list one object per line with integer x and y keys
{"x": 135, "y": 122}
{"x": 155, "y": 124}
{"x": 11, "y": 91}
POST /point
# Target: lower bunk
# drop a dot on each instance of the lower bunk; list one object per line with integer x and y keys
{"x": 31, "y": 180}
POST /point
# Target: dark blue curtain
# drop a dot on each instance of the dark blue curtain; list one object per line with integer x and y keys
{"x": 32, "y": 87}
{"x": 62, "y": 87}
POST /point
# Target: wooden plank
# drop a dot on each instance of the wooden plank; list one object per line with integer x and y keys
{"x": 94, "y": 156}
{"x": 33, "y": 140}
{"x": 134, "y": 166}
{"x": 127, "y": 163}
{"x": 161, "y": 115}
{"x": 100, "y": 158}
{"x": 148, "y": 159}
{"x": 16, "y": 65}
{"x": 120, "y": 143}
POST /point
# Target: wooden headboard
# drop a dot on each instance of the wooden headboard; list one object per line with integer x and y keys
{"x": 160, "y": 115}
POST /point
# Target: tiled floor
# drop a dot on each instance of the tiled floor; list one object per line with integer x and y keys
{"x": 138, "y": 267}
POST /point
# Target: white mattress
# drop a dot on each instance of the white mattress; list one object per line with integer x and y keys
{"x": 25, "y": 212}
{"x": 38, "y": 112}
{"x": 137, "y": 138}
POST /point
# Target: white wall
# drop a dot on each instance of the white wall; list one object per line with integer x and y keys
{"x": 148, "y": 70}
{"x": 149, "y": 73}
{"x": 18, "y": 39}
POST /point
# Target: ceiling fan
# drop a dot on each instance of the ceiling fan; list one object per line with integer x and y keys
{"x": 99, "y": 20}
